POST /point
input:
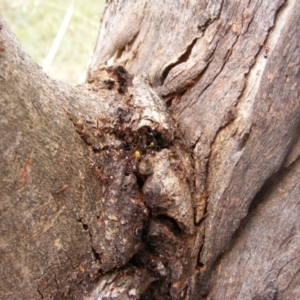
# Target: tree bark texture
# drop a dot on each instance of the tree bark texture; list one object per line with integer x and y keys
{"x": 229, "y": 73}
{"x": 177, "y": 180}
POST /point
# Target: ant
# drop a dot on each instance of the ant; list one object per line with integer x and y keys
{"x": 128, "y": 102}
{"x": 266, "y": 51}
{"x": 139, "y": 108}
{"x": 98, "y": 174}
{"x": 183, "y": 145}
{"x": 179, "y": 166}
{"x": 172, "y": 153}
{"x": 104, "y": 119}
{"x": 62, "y": 189}
{"x": 109, "y": 149}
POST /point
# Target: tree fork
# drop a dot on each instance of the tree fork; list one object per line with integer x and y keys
{"x": 106, "y": 192}
{"x": 114, "y": 170}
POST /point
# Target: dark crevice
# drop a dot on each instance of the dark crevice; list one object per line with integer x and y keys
{"x": 266, "y": 188}
{"x": 138, "y": 260}
{"x": 40, "y": 293}
{"x": 120, "y": 51}
{"x": 169, "y": 222}
{"x": 183, "y": 58}
{"x": 145, "y": 259}
{"x": 123, "y": 78}
{"x": 84, "y": 225}
{"x": 134, "y": 38}
{"x": 182, "y": 89}
{"x": 200, "y": 266}
{"x": 174, "y": 97}
{"x": 158, "y": 290}
{"x": 243, "y": 140}
{"x": 260, "y": 197}
{"x": 169, "y": 100}
{"x": 140, "y": 180}
{"x": 96, "y": 255}
{"x": 205, "y": 195}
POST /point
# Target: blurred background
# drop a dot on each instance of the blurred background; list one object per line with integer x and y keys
{"x": 71, "y": 26}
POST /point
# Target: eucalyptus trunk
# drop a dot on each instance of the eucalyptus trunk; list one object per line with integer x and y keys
{"x": 173, "y": 173}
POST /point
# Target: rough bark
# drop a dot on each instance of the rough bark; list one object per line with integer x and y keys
{"x": 92, "y": 178}
{"x": 229, "y": 72}
{"x": 177, "y": 180}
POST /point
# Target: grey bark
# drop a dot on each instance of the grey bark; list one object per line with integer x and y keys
{"x": 177, "y": 180}
{"x": 229, "y": 72}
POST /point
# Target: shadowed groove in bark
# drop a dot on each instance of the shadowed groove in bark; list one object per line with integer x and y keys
{"x": 121, "y": 51}
{"x": 183, "y": 58}
{"x": 180, "y": 92}
{"x": 248, "y": 135}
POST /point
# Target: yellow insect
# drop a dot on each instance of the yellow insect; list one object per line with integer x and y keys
{"x": 137, "y": 154}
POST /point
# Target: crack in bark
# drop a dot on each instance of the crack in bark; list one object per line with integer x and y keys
{"x": 181, "y": 90}
{"x": 229, "y": 120}
{"x": 130, "y": 54}
{"x": 294, "y": 276}
{"x": 181, "y": 59}
{"x": 211, "y": 13}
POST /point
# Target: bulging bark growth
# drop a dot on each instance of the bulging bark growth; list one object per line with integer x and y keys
{"x": 171, "y": 171}
{"x": 102, "y": 188}
{"x": 229, "y": 75}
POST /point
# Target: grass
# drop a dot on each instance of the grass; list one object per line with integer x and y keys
{"x": 36, "y": 24}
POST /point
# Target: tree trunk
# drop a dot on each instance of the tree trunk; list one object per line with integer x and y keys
{"x": 177, "y": 180}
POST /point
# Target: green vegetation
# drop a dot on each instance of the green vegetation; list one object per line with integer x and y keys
{"x": 36, "y": 24}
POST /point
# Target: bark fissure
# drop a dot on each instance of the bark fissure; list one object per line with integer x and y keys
{"x": 181, "y": 59}
{"x": 209, "y": 84}
{"x": 227, "y": 120}
{"x": 212, "y": 12}
{"x": 249, "y": 130}
{"x": 189, "y": 84}
{"x": 125, "y": 54}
